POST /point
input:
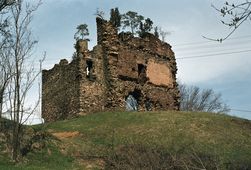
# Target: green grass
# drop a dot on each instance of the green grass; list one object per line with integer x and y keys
{"x": 226, "y": 138}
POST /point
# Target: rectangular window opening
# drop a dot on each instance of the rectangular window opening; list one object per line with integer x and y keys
{"x": 89, "y": 69}
{"x": 142, "y": 74}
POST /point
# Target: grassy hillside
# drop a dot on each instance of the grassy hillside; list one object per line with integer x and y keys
{"x": 124, "y": 140}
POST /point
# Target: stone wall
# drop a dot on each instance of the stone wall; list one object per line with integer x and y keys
{"x": 60, "y": 91}
{"x": 144, "y": 67}
{"x": 91, "y": 88}
{"x": 101, "y": 79}
{"x": 75, "y": 88}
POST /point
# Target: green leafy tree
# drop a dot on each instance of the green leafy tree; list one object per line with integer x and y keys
{"x": 148, "y": 25}
{"x": 82, "y": 32}
{"x": 115, "y": 17}
{"x": 145, "y": 27}
{"x": 132, "y": 20}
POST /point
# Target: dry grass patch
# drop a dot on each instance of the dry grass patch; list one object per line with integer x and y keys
{"x": 63, "y": 135}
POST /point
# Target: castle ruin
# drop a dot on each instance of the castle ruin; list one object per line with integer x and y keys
{"x": 118, "y": 69}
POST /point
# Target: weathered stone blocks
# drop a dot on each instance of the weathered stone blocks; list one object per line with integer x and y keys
{"x": 102, "y": 79}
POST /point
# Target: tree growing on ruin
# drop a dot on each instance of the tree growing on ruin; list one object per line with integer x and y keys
{"x": 156, "y": 32}
{"x": 162, "y": 33}
{"x": 192, "y": 98}
{"x": 82, "y": 32}
{"x": 234, "y": 15}
{"x": 145, "y": 27}
{"x": 115, "y": 17}
{"x": 132, "y": 20}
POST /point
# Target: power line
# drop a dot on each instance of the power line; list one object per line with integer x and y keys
{"x": 241, "y": 110}
{"x": 203, "y": 46}
{"x": 215, "y": 54}
{"x": 205, "y": 42}
{"x": 209, "y": 52}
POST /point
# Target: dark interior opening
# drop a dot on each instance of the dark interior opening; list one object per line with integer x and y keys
{"x": 136, "y": 94}
{"x": 89, "y": 69}
{"x": 141, "y": 69}
{"x": 142, "y": 74}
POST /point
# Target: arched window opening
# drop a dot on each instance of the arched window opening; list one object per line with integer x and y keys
{"x": 89, "y": 65}
{"x": 89, "y": 70}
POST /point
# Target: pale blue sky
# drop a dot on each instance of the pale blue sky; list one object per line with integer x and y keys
{"x": 55, "y": 22}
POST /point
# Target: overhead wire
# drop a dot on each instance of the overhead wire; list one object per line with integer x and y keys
{"x": 208, "y": 41}
{"x": 197, "y": 50}
{"x": 214, "y": 46}
{"x": 241, "y": 110}
{"x": 194, "y": 45}
{"x": 214, "y": 54}
{"x": 211, "y": 51}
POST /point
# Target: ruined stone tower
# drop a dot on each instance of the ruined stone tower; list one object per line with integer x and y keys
{"x": 119, "y": 66}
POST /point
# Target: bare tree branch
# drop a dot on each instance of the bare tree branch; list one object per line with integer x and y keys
{"x": 234, "y": 16}
{"x": 5, "y": 3}
{"x": 163, "y": 34}
{"x": 195, "y": 99}
{"x": 20, "y": 47}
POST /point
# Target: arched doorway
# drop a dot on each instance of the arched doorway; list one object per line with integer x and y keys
{"x": 132, "y": 100}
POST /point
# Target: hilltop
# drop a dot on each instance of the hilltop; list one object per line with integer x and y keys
{"x": 124, "y": 140}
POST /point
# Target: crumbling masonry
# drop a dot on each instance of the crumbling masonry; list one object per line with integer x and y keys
{"x": 119, "y": 66}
